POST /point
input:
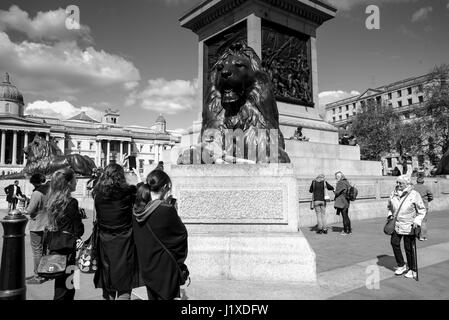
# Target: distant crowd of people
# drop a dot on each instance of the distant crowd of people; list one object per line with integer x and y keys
{"x": 141, "y": 241}
{"x": 407, "y": 204}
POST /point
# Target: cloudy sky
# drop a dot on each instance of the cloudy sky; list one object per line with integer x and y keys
{"x": 133, "y": 55}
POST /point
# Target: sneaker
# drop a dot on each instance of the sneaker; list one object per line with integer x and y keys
{"x": 343, "y": 233}
{"x": 325, "y": 231}
{"x": 400, "y": 270}
{"x": 410, "y": 274}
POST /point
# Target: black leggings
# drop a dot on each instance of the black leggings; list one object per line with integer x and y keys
{"x": 346, "y": 221}
{"x": 409, "y": 249}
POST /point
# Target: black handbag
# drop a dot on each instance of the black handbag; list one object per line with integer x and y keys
{"x": 391, "y": 223}
{"x": 182, "y": 268}
{"x": 51, "y": 266}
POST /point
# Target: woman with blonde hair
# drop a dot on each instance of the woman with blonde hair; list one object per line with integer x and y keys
{"x": 65, "y": 222}
{"x": 406, "y": 206}
{"x": 342, "y": 202}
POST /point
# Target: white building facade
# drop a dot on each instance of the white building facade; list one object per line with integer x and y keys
{"x": 103, "y": 141}
{"x": 405, "y": 97}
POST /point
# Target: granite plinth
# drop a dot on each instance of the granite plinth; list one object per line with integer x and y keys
{"x": 250, "y": 256}
{"x": 237, "y": 197}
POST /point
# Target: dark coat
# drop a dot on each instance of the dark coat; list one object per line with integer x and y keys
{"x": 317, "y": 188}
{"x": 158, "y": 269}
{"x": 117, "y": 258}
{"x": 71, "y": 228}
{"x": 9, "y": 193}
{"x": 341, "y": 202}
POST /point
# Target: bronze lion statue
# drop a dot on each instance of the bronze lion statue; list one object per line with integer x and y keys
{"x": 45, "y": 157}
{"x": 240, "y": 110}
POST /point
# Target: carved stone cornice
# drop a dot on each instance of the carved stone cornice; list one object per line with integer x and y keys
{"x": 211, "y": 10}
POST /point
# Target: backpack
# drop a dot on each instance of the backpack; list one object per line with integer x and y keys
{"x": 352, "y": 193}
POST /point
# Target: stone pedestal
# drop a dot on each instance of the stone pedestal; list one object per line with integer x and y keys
{"x": 243, "y": 222}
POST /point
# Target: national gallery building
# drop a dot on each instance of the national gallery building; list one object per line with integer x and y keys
{"x": 102, "y": 141}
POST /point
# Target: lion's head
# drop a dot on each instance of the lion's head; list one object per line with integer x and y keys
{"x": 237, "y": 77}
{"x": 40, "y": 148}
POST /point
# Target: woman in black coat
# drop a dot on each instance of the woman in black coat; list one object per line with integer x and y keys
{"x": 160, "y": 272}
{"x": 342, "y": 202}
{"x": 117, "y": 272}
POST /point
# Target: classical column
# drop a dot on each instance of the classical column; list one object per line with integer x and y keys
{"x": 98, "y": 156}
{"x": 129, "y": 148}
{"x": 108, "y": 151}
{"x": 121, "y": 150}
{"x": 47, "y": 136}
{"x": 25, "y": 144}
{"x": 2, "y": 156}
{"x": 14, "y": 148}
{"x": 254, "y": 27}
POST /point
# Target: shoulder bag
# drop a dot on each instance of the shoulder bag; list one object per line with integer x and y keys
{"x": 51, "y": 266}
{"x": 391, "y": 223}
{"x": 87, "y": 260}
{"x": 182, "y": 269}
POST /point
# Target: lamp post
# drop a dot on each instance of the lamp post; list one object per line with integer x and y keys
{"x": 12, "y": 268}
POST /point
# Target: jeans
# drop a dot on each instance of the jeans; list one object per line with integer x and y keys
{"x": 320, "y": 210}
{"x": 408, "y": 246}
{"x": 346, "y": 221}
{"x": 12, "y": 205}
{"x": 36, "y": 240}
{"x": 116, "y": 295}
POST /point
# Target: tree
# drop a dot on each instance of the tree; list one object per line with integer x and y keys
{"x": 374, "y": 127}
{"x": 434, "y": 117}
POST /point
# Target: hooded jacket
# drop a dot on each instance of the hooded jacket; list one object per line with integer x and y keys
{"x": 412, "y": 210}
{"x": 158, "y": 269}
{"x": 38, "y": 215}
{"x": 341, "y": 202}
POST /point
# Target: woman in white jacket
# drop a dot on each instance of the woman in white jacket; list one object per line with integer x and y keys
{"x": 407, "y": 204}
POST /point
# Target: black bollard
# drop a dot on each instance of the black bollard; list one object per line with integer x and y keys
{"x": 12, "y": 269}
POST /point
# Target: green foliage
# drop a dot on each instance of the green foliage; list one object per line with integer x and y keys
{"x": 434, "y": 117}
{"x": 375, "y": 129}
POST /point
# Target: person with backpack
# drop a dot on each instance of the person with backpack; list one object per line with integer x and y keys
{"x": 319, "y": 198}
{"x": 342, "y": 201}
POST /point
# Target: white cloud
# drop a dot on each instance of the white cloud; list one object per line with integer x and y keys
{"x": 48, "y": 25}
{"x": 326, "y": 97}
{"x": 421, "y": 14}
{"x": 64, "y": 68}
{"x": 59, "y": 109}
{"x": 346, "y": 5}
{"x": 166, "y": 96}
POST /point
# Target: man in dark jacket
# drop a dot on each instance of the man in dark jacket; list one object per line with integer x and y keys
{"x": 12, "y": 192}
{"x": 342, "y": 202}
{"x": 38, "y": 220}
{"x": 319, "y": 198}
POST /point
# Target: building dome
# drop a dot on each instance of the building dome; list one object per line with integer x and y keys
{"x": 160, "y": 119}
{"x": 9, "y": 92}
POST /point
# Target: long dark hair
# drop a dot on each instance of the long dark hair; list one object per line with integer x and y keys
{"x": 59, "y": 194}
{"x": 111, "y": 183}
{"x": 143, "y": 196}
